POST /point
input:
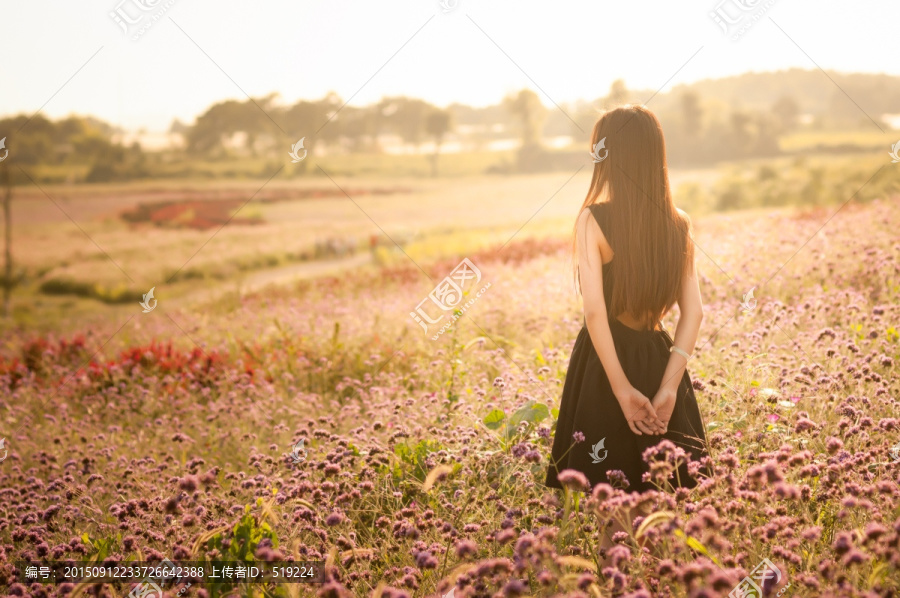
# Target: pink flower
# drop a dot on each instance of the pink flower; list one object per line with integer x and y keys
{"x": 804, "y": 424}
{"x": 573, "y": 479}
{"x": 774, "y": 417}
{"x": 465, "y": 548}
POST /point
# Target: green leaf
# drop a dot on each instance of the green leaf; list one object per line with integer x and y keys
{"x": 712, "y": 426}
{"x": 530, "y": 412}
{"x": 554, "y": 412}
{"x": 494, "y": 419}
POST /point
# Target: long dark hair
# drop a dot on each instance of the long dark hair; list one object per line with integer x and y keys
{"x": 652, "y": 243}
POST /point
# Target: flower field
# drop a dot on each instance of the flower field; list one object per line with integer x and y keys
{"x": 168, "y": 435}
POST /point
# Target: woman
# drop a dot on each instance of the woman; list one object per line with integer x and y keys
{"x": 627, "y": 387}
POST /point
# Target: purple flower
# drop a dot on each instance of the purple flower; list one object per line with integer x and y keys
{"x": 617, "y": 478}
{"x": 578, "y": 436}
{"x": 465, "y": 548}
{"x": 425, "y": 560}
{"x": 834, "y": 445}
{"x": 855, "y": 557}
{"x": 804, "y": 424}
{"x": 505, "y": 536}
{"x": 515, "y": 587}
{"x": 189, "y": 483}
{"x": 573, "y": 479}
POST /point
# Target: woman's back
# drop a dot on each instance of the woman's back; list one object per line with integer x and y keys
{"x": 661, "y": 290}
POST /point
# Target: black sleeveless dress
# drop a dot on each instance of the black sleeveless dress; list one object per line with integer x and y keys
{"x": 588, "y": 405}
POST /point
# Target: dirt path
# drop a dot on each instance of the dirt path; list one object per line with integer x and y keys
{"x": 258, "y": 280}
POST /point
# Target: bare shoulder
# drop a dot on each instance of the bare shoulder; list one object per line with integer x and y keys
{"x": 585, "y": 217}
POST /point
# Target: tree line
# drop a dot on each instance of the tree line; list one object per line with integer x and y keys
{"x": 700, "y": 129}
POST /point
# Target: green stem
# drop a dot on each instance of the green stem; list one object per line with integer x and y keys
{"x": 587, "y": 543}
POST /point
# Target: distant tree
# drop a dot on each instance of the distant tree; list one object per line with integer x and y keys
{"x": 304, "y": 118}
{"x": 73, "y": 140}
{"x": 691, "y": 114}
{"x": 767, "y": 131}
{"x": 405, "y": 117}
{"x": 221, "y": 120}
{"x": 257, "y": 119}
{"x": 331, "y": 111}
{"x": 437, "y": 124}
{"x": 178, "y": 128}
{"x": 210, "y": 129}
{"x": 36, "y": 143}
{"x": 74, "y": 126}
{"x": 787, "y": 111}
{"x": 585, "y": 116}
{"x": 526, "y": 106}
{"x": 359, "y": 127}
{"x": 618, "y": 94}
{"x": 741, "y": 135}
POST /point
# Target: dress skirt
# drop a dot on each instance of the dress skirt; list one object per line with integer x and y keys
{"x": 589, "y": 406}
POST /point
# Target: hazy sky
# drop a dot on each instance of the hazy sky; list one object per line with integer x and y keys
{"x": 569, "y": 49}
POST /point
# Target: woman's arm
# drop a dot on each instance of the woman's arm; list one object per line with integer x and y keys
{"x": 686, "y": 332}
{"x": 590, "y": 244}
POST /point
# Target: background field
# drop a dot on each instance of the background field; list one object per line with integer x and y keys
{"x": 276, "y": 399}
{"x": 142, "y": 432}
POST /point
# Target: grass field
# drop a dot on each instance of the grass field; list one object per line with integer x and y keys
{"x": 817, "y": 140}
{"x": 168, "y": 434}
{"x": 74, "y": 241}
